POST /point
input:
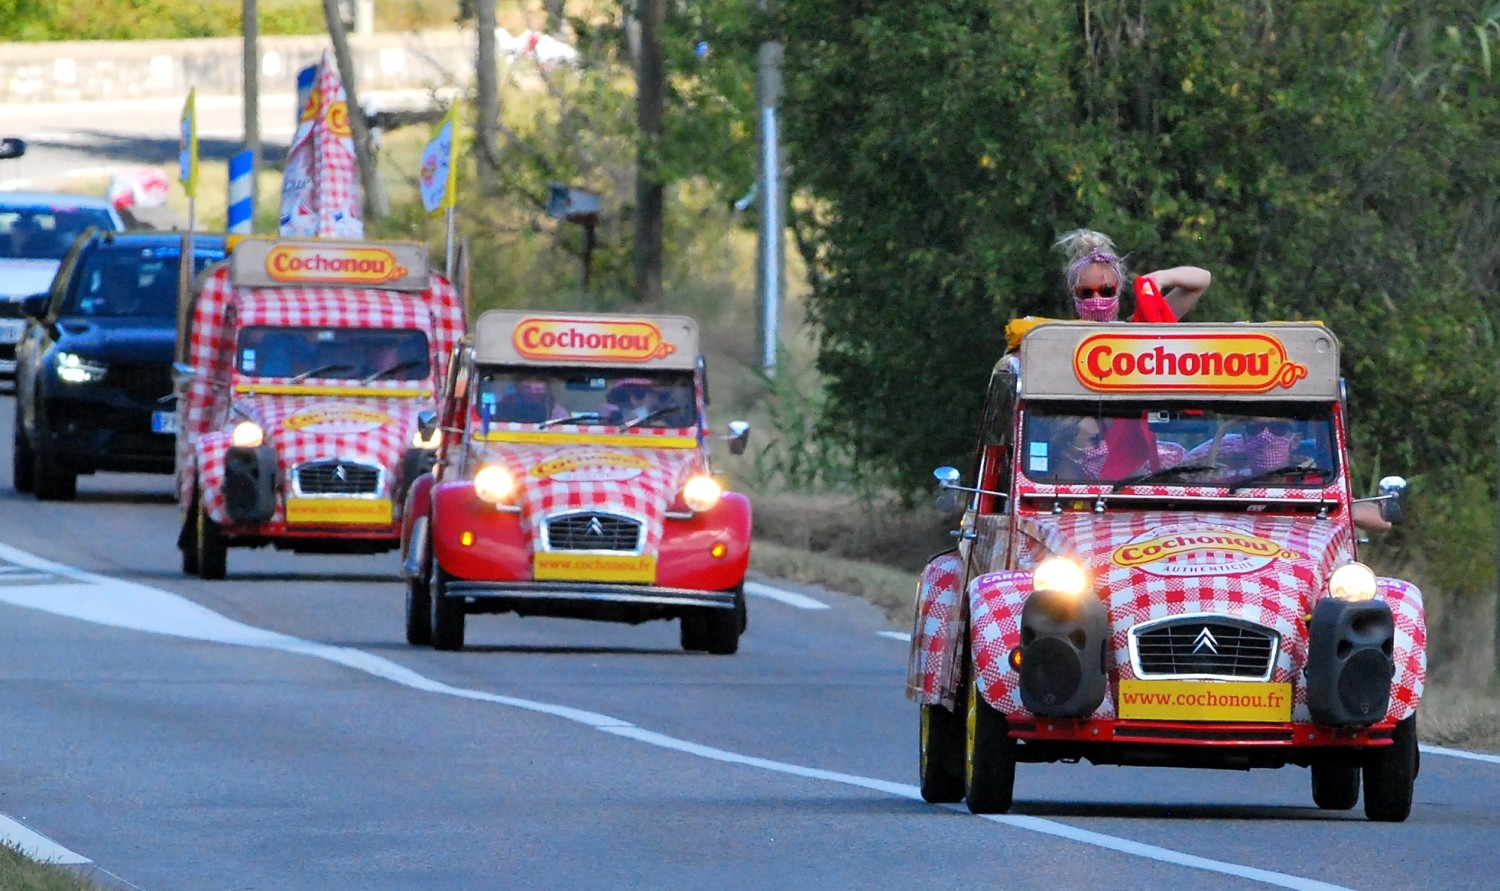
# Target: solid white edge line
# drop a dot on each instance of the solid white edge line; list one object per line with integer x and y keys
{"x": 789, "y": 598}
{"x": 903, "y": 636}
{"x": 1460, "y": 753}
{"x": 37, "y": 846}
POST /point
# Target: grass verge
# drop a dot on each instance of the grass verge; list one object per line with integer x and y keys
{"x": 20, "y": 873}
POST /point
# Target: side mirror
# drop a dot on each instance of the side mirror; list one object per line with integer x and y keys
{"x": 427, "y": 423}
{"x": 11, "y": 147}
{"x": 35, "y": 306}
{"x": 739, "y": 436}
{"x": 1392, "y": 491}
{"x": 946, "y": 476}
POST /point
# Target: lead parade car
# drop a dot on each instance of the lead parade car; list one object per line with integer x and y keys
{"x": 1158, "y": 566}
{"x": 574, "y": 481}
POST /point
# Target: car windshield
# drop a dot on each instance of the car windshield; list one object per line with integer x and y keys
{"x": 46, "y": 233}
{"x": 1225, "y": 444}
{"x": 130, "y": 282}
{"x": 570, "y": 397}
{"x": 362, "y": 354}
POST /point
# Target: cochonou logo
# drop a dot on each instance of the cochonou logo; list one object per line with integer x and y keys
{"x": 1198, "y": 551}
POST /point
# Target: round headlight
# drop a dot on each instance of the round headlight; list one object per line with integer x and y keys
{"x": 494, "y": 483}
{"x": 247, "y": 435}
{"x": 1352, "y": 581}
{"x": 430, "y": 443}
{"x": 1061, "y": 575}
{"x": 702, "y": 493}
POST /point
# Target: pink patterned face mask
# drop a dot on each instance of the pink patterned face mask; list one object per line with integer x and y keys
{"x": 1097, "y": 309}
{"x": 1268, "y": 450}
{"x": 1093, "y": 460}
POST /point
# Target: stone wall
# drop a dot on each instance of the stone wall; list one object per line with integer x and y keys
{"x": 143, "y": 69}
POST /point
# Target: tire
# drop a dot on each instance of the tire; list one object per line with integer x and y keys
{"x": 418, "y": 612}
{"x": 212, "y": 548}
{"x": 941, "y": 755}
{"x": 187, "y": 538}
{"x": 447, "y": 614}
{"x": 1335, "y": 787}
{"x": 21, "y": 468}
{"x": 989, "y": 757}
{"x": 716, "y": 631}
{"x": 50, "y": 479}
{"x": 1391, "y": 775}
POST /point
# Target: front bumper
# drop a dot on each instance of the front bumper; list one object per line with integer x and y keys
{"x": 110, "y": 432}
{"x": 592, "y": 592}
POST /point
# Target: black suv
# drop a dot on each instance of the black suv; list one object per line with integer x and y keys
{"x": 94, "y": 366}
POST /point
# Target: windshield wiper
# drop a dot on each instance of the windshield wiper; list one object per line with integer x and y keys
{"x": 1301, "y": 471}
{"x": 391, "y": 369}
{"x": 322, "y": 369}
{"x": 1155, "y": 475}
{"x": 652, "y": 415}
{"x": 581, "y": 416}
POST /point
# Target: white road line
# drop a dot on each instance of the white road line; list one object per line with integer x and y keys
{"x": 121, "y": 604}
{"x": 790, "y": 598}
{"x": 902, "y": 636}
{"x": 1460, "y": 753}
{"x": 37, "y": 846}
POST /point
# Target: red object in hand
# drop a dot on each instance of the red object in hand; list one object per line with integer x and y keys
{"x": 1150, "y": 305}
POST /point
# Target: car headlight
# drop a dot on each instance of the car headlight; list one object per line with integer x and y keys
{"x": 247, "y": 435}
{"x": 1061, "y": 575}
{"x": 75, "y": 369}
{"x": 1352, "y": 582}
{"x": 429, "y": 443}
{"x": 494, "y": 483}
{"x": 702, "y": 493}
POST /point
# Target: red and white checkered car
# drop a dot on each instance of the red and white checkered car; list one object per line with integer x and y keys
{"x": 575, "y": 480}
{"x": 1159, "y": 566}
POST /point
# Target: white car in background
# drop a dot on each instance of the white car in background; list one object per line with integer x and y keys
{"x": 36, "y": 230}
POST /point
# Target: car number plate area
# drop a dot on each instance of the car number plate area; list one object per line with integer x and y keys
{"x": 1205, "y": 701}
{"x": 339, "y": 511}
{"x": 11, "y": 330}
{"x": 164, "y": 422}
{"x": 559, "y": 567}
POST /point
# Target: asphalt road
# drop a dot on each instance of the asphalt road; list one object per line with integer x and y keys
{"x": 273, "y": 731}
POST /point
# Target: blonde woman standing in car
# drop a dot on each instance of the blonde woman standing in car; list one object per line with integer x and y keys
{"x": 1096, "y": 274}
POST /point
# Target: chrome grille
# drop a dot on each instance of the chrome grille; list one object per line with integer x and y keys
{"x": 336, "y": 477}
{"x": 592, "y": 531}
{"x": 1203, "y": 646}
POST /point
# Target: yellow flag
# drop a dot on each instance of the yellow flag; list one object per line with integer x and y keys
{"x": 438, "y": 175}
{"x": 187, "y": 146}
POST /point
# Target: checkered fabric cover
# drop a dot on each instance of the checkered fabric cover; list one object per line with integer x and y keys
{"x": 935, "y": 633}
{"x": 320, "y": 193}
{"x": 204, "y": 400}
{"x": 652, "y": 479}
{"x": 1279, "y": 592}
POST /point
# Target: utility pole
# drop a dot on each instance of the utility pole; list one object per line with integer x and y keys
{"x": 771, "y": 269}
{"x": 251, "y": 53}
{"x": 650, "y": 195}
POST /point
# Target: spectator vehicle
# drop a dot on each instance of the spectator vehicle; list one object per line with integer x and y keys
{"x": 305, "y": 366}
{"x": 1158, "y": 565}
{"x": 36, "y": 231}
{"x": 575, "y": 481}
{"x": 94, "y": 367}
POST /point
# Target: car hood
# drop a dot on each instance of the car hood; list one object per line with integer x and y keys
{"x": 1153, "y": 565}
{"x": 22, "y": 278}
{"x": 370, "y": 430}
{"x": 133, "y": 340}
{"x": 641, "y": 483}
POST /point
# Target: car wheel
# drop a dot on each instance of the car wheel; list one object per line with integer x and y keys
{"x": 1335, "y": 787}
{"x": 418, "y": 612}
{"x": 1391, "y": 775}
{"x": 50, "y": 479}
{"x": 447, "y": 613}
{"x": 213, "y": 549}
{"x": 21, "y": 460}
{"x": 941, "y": 755}
{"x": 716, "y": 631}
{"x": 187, "y": 538}
{"x": 989, "y": 756}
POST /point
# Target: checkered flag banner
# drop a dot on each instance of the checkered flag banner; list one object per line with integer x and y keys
{"x": 320, "y": 186}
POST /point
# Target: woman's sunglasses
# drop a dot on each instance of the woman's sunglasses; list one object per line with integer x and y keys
{"x": 1102, "y": 291}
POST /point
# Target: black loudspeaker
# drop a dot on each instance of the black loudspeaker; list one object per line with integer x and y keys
{"x": 1062, "y": 654}
{"x": 1350, "y": 662}
{"x": 250, "y": 483}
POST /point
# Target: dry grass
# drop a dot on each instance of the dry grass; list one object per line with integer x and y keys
{"x": 20, "y": 873}
{"x": 892, "y": 590}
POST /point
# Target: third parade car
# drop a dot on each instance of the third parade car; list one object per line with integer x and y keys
{"x": 574, "y": 480}
{"x": 1158, "y": 566}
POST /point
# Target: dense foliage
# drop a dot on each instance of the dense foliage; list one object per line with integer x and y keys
{"x": 1334, "y": 161}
